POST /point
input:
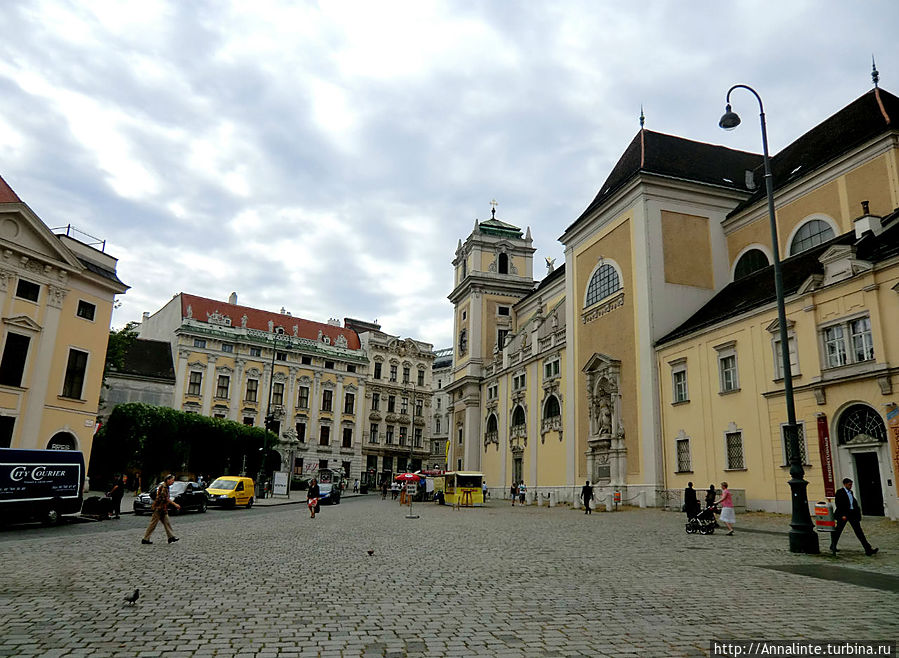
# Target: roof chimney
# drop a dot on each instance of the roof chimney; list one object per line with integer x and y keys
{"x": 232, "y": 299}
{"x": 868, "y": 222}
{"x": 750, "y": 179}
{"x": 145, "y": 316}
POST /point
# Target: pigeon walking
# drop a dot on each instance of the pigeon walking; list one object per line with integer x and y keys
{"x": 133, "y": 597}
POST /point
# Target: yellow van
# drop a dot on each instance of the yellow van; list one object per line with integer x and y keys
{"x": 231, "y": 491}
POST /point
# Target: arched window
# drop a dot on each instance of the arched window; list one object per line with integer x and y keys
{"x": 751, "y": 261}
{"x": 861, "y": 424}
{"x": 551, "y": 407}
{"x": 603, "y": 283}
{"x": 491, "y": 424}
{"x": 62, "y": 441}
{"x": 811, "y": 234}
{"x": 518, "y": 417}
{"x": 503, "y": 265}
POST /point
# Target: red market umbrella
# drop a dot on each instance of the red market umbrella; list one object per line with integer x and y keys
{"x": 407, "y": 477}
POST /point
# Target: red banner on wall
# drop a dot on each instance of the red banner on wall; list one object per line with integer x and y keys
{"x": 893, "y": 426}
{"x": 826, "y": 457}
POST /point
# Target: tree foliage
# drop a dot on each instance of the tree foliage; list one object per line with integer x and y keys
{"x": 148, "y": 440}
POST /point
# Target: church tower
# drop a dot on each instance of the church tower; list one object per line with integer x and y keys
{"x": 494, "y": 268}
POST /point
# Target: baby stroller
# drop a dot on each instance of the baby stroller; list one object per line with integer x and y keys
{"x": 704, "y": 522}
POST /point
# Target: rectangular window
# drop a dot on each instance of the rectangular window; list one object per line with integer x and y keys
{"x": 679, "y": 382}
{"x": 421, "y": 377}
{"x": 303, "y": 398}
{"x": 351, "y": 367}
{"x": 278, "y": 393}
{"x": 393, "y": 371}
{"x": 323, "y": 463}
{"x": 327, "y": 400}
{"x": 437, "y": 425}
{"x": 195, "y": 383}
{"x": 834, "y": 347}
{"x": 391, "y": 404}
{"x": 221, "y": 389}
{"x": 252, "y": 390}
{"x": 519, "y": 381}
{"x": 405, "y": 374}
{"x": 86, "y": 310}
{"x": 437, "y": 401}
{"x": 375, "y": 401}
{"x": 439, "y": 383}
{"x": 329, "y": 365}
{"x": 803, "y": 449}
{"x": 280, "y": 356}
{"x": 734, "y": 444}
{"x": 255, "y": 351}
{"x": 377, "y": 370}
{"x": 404, "y": 405}
{"x": 28, "y": 290}
{"x": 298, "y": 466}
{"x": 417, "y": 441}
{"x": 683, "y": 455}
{"x": 727, "y": 368}
{"x": 501, "y": 337}
{"x": 460, "y": 435}
{"x": 75, "y": 370}
{"x": 324, "y": 435}
{"x": 306, "y": 360}
{"x": 418, "y": 407}
{"x": 778, "y": 358}
{"x": 502, "y": 310}
{"x": 388, "y": 437}
{"x": 228, "y": 348}
{"x": 301, "y": 432}
{"x": 349, "y": 403}
{"x": 200, "y": 342}
{"x": 248, "y": 420}
{"x": 402, "y": 435}
{"x": 12, "y": 365}
{"x": 347, "y": 437}
{"x": 373, "y": 433}
{"x": 551, "y": 369}
{"x": 862, "y": 344}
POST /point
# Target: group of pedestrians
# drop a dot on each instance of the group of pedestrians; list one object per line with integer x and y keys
{"x": 724, "y": 505}
{"x": 518, "y": 490}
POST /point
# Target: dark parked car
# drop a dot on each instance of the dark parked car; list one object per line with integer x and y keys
{"x": 189, "y": 495}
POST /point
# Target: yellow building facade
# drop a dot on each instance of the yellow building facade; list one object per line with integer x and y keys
{"x": 675, "y": 226}
{"x": 57, "y": 297}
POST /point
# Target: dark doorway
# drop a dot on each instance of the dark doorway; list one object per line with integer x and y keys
{"x": 870, "y": 493}
{"x": 7, "y": 425}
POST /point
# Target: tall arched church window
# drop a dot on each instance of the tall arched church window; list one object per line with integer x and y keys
{"x": 503, "y": 265}
{"x": 518, "y": 417}
{"x": 811, "y": 234}
{"x": 752, "y": 261}
{"x": 604, "y": 282}
{"x": 491, "y": 424}
{"x": 551, "y": 408}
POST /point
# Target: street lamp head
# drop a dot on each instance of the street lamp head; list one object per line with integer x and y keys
{"x": 729, "y": 119}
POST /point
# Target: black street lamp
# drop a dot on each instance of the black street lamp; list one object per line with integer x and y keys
{"x": 802, "y": 531}
{"x": 269, "y": 416}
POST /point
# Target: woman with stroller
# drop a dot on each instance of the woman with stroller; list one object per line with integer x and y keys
{"x": 726, "y": 501}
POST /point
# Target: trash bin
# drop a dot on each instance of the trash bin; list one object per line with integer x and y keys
{"x": 824, "y": 521}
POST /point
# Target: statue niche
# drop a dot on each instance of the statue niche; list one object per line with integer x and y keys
{"x": 606, "y": 452}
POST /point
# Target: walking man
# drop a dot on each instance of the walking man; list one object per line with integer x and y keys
{"x": 161, "y": 511}
{"x": 587, "y": 495}
{"x": 117, "y": 493}
{"x": 847, "y": 511}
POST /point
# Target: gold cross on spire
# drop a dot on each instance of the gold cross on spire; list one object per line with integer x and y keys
{"x": 493, "y": 209}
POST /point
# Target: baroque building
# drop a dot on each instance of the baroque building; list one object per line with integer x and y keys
{"x": 604, "y": 370}
{"x": 441, "y": 374}
{"x": 396, "y": 404}
{"x": 57, "y": 297}
{"x": 304, "y": 380}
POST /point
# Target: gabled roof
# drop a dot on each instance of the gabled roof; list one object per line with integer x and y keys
{"x": 862, "y": 120}
{"x": 148, "y": 358}
{"x": 757, "y": 289}
{"x": 6, "y": 193}
{"x": 676, "y": 157}
{"x": 201, "y": 308}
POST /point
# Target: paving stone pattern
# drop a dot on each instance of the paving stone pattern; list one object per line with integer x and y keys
{"x": 497, "y": 581}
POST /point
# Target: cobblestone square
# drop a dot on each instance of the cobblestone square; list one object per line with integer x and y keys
{"x": 495, "y": 581}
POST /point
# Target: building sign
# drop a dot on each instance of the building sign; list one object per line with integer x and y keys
{"x": 826, "y": 457}
{"x": 893, "y": 427}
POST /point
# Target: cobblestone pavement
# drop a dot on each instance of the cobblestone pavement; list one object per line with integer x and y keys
{"x": 496, "y": 581}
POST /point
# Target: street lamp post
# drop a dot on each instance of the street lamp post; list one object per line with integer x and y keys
{"x": 269, "y": 417}
{"x": 410, "y": 515}
{"x": 802, "y": 532}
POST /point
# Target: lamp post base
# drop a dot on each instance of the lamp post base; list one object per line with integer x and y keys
{"x": 803, "y": 538}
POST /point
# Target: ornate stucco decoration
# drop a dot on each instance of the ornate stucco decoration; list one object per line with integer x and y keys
{"x": 341, "y": 341}
{"x": 217, "y": 317}
{"x": 599, "y": 310}
{"x": 56, "y": 297}
{"x": 553, "y": 423}
{"x": 224, "y": 370}
{"x": 253, "y": 373}
{"x": 606, "y": 451}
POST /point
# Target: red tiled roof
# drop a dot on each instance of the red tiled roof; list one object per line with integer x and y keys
{"x": 201, "y": 308}
{"x": 6, "y": 193}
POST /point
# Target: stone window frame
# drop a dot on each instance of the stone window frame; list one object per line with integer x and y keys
{"x": 792, "y": 342}
{"x": 734, "y": 431}
{"x": 683, "y": 439}
{"x": 847, "y": 340}
{"x": 727, "y": 351}
{"x": 803, "y": 444}
{"x": 815, "y": 217}
{"x": 600, "y": 264}
{"x": 491, "y": 436}
{"x": 679, "y": 367}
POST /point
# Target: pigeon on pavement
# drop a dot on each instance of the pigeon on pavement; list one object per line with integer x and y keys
{"x": 133, "y": 598}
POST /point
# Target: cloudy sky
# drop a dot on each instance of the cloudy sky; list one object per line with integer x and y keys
{"x": 327, "y": 157}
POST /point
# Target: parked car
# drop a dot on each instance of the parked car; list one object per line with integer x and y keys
{"x": 189, "y": 495}
{"x": 329, "y": 493}
{"x": 231, "y": 491}
{"x": 40, "y": 484}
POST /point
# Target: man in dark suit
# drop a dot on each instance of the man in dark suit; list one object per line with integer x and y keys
{"x": 847, "y": 511}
